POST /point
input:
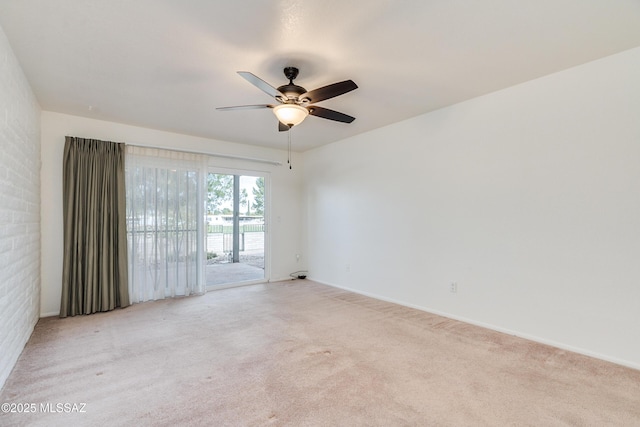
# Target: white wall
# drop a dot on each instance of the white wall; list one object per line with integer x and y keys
{"x": 528, "y": 198}
{"x": 19, "y": 209}
{"x": 285, "y": 227}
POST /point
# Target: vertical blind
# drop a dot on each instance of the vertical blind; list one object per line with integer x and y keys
{"x": 165, "y": 200}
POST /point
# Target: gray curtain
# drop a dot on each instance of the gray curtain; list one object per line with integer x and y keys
{"x": 94, "y": 276}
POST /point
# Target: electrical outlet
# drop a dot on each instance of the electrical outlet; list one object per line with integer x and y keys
{"x": 297, "y": 257}
{"x": 453, "y": 287}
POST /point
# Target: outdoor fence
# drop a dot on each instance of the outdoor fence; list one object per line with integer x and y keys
{"x": 220, "y": 238}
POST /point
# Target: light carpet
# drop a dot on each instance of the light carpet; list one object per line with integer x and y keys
{"x": 298, "y": 353}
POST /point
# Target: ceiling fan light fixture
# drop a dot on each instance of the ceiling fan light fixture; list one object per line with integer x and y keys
{"x": 290, "y": 114}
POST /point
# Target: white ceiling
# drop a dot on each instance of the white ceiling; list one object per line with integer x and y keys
{"x": 167, "y": 64}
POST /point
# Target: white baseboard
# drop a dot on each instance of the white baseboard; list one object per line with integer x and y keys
{"x": 562, "y": 346}
{"x": 283, "y": 279}
{"x": 50, "y": 314}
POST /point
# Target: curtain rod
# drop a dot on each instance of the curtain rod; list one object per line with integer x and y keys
{"x": 224, "y": 156}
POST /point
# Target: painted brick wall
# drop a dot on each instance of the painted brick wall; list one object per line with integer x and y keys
{"x": 19, "y": 209}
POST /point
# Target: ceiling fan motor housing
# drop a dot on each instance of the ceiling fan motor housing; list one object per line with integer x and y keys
{"x": 291, "y": 90}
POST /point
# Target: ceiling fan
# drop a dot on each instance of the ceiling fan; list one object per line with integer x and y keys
{"x": 294, "y": 102}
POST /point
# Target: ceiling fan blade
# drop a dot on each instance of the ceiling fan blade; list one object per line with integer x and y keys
{"x": 261, "y": 84}
{"x": 329, "y": 91}
{"x": 245, "y": 107}
{"x": 282, "y": 127}
{"x": 326, "y": 113}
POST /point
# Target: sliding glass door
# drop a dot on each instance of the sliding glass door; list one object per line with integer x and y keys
{"x": 235, "y": 224}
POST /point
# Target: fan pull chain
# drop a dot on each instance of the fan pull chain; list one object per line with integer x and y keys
{"x": 289, "y": 148}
